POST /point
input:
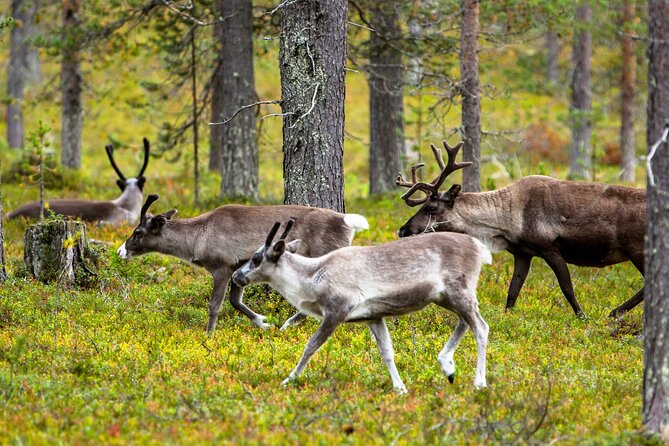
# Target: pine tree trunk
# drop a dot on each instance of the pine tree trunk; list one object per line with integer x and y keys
{"x": 239, "y": 162}
{"x": 627, "y": 158}
{"x": 54, "y": 251}
{"x": 312, "y": 59}
{"x": 581, "y": 94}
{"x": 70, "y": 78}
{"x": 217, "y": 99}
{"x": 471, "y": 100}
{"x": 552, "y": 53}
{"x": 656, "y": 327}
{"x": 386, "y": 107}
{"x": 23, "y": 65}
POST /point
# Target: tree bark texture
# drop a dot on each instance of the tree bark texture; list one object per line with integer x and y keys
{"x": 312, "y": 60}
{"x": 627, "y": 155}
{"x": 217, "y": 99}
{"x": 386, "y": 108}
{"x": 656, "y": 326}
{"x": 552, "y": 55}
{"x": 23, "y": 66}
{"x": 54, "y": 250}
{"x": 581, "y": 94}
{"x": 471, "y": 99}
{"x": 239, "y": 146}
{"x": 71, "y": 84}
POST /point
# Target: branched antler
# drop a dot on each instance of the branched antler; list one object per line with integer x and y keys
{"x": 432, "y": 188}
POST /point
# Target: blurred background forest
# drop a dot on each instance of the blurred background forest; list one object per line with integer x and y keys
{"x": 145, "y": 67}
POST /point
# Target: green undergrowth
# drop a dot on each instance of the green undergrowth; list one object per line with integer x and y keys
{"x": 127, "y": 359}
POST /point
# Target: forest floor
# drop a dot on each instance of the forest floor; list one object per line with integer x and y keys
{"x": 127, "y": 359}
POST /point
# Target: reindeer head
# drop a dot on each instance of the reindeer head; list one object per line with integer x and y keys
{"x": 437, "y": 207}
{"x": 124, "y": 182}
{"x": 147, "y": 235}
{"x": 265, "y": 259}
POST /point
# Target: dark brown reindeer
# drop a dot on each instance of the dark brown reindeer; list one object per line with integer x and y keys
{"x": 124, "y": 209}
{"x": 226, "y": 237}
{"x": 563, "y": 222}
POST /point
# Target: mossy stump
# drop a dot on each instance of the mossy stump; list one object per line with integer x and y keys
{"x": 54, "y": 251}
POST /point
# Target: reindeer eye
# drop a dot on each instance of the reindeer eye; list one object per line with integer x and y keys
{"x": 256, "y": 259}
{"x": 431, "y": 209}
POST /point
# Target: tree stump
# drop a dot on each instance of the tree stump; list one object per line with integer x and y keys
{"x": 55, "y": 251}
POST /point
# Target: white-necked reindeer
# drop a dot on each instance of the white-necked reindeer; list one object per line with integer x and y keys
{"x": 368, "y": 283}
{"x": 226, "y": 237}
{"x": 124, "y": 209}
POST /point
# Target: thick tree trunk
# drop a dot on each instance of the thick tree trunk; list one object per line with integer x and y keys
{"x": 627, "y": 155}
{"x": 313, "y": 60}
{"x": 23, "y": 66}
{"x": 386, "y": 109}
{"x": 656, "y": 327}
{"x": 552, "y": 53}
{"x": 581, "y": 94}
{"x": 239, "y": 146}
{"x": 70, "y": 79}
{"x": 217, "y": 98}
{"x": 54, "y": 251}
{"x": 471, "y": 100}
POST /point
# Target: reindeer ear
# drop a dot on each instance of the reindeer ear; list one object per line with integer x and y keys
{"x": 169, "y": 214}
{"x": 450, "y": 195}
{"x": 293, "y": 246}
{"x": 277, "y": 251}
{"x": 156, "y": 223}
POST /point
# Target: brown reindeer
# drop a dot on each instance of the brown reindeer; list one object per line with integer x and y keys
{"x": 563, "y": 222}
{"x": 226, "y": 237}
{"x": 124, "y": 209}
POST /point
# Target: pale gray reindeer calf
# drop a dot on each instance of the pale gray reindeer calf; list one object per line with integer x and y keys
{"x": 226, "y": 237}
{"x": 368, "y": 283}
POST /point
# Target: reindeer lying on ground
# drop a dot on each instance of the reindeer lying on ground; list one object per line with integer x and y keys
{"x": 125, "y": 209}
{"x": 585, "y": 224}
{"x": 221, "y": 240}
{"x": 368, "y": 283}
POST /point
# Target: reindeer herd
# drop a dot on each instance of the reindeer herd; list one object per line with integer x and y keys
{"x": 317, "y": 271}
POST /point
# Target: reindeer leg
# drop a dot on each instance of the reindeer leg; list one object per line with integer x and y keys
{"x": 521, "y": 266}
{"x": 445, "y": 357}
{"x": 628, "y": 305}
{"x": 559, "y": 267}
{"x": 221, "y": 279}
{"x": 635, "y": 300}
{"x": 325, "y": 330}
{"x": 380, "y": 331}
{"x": 293, "y": 320}
{"x": 236, "y": 301}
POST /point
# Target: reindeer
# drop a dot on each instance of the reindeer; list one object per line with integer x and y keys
{"x": 224, "y": 238}
{"x": 580, "y": 223}
{"x": 368, "y": 283}
{"x": 124, "y": 209}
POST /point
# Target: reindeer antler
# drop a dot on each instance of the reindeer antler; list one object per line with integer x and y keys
{"x": 110, "y": 154}
{"x": 147, "y": 146}
{"x": 149, "y": 201}
{"x": 433, "y": 187}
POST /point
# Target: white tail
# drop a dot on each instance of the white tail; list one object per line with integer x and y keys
{"x": 356, "y": 222}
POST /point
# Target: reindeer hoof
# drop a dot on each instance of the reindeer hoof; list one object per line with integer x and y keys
{"x": 401, "y": 390}
{"x": 451, "y": 378}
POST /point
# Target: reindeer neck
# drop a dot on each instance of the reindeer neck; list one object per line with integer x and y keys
{"x": 178, "y": 239}
{"x": 130, "y": 200}
{"x": 491, "y": 210}
{"x": 296, "y": 275}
